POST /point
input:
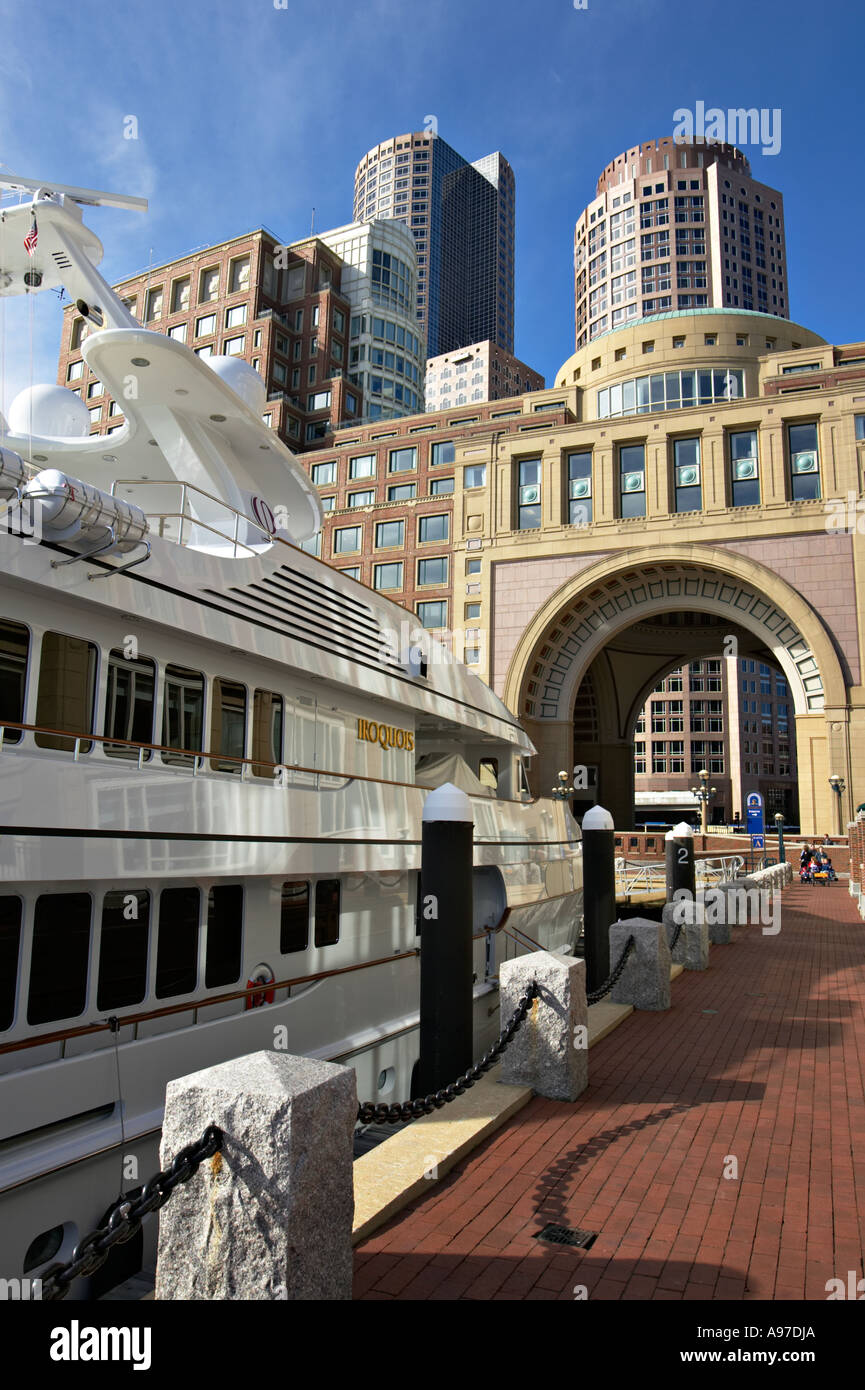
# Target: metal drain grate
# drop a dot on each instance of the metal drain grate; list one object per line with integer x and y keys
{"x": 567, "y": 1235}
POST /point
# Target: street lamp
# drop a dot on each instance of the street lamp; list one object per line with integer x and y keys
{"x": 838, "y": 784}
{"x": 562, "y": 792}
{"x": 779, "y": 821}
{"x": 704, "y": 794}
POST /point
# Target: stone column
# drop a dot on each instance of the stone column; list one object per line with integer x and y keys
{"x": 692, "y": 943}
{"x": 645, "y": 980}
{"x": 550, "y": 1052}
{"x": 270, "y": 1216}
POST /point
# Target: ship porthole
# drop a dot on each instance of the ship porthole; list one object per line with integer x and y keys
{"x": 386, "y": 1080}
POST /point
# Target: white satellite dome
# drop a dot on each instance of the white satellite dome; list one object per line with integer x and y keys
{"x": 51, "y": 412}
{"x": 243, "y": 379}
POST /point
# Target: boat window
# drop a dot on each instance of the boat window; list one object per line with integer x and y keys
{"x": 61, "y": 955}
{"x": 67, "y": 686}
{"x": 123, "y": 948}
{"x": 14, "y": 652}
{"x": 183, "y": 715}
{"x": 294, "y": 918}
{"x": 129, "y": 702}
{"x": 177, "y": 945}
{"x": 327, "y": 912}
{"x": 488, "y": 772}
{"x": 10, "y": 946}
{"x": 228, "y": 725}
{"x": 224, "y": 935}
{"x": 268, "y": 716}
{"x": 525, "y": 790}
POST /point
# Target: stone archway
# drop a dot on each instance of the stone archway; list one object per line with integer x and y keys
{"x": 583, "y": 616}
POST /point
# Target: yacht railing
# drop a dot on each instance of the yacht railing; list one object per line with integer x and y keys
{"x": 195, "y": 760}
{"x": 185, "y": 514}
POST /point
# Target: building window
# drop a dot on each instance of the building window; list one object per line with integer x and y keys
{"x": 352, "y": 572}
{"x": 580, "y": 488}
{"x": 178, "y": 332}
{"x": 238, "y": 275}
{"x": 401, "y": 492}
{"x": 804, "y": 461}
{"x": 686, "y": 463}
{"x": 529, "y": 495}
{"x": 361, "y": 499}
{"x": 432, "y": 572}
{"x": 475, "y": 475}
{"x": 389, "y": 534}
{"x": 180, "y": 291}
{"x": 347, "y": 539}
{"x": 75, "y": 371}
{"x": 323, "y": 473}
{"x": 153, "y": 305}
{"x": 208, "y": 285}
{"x": 433, "y": 528}
{"x": 433, "y": 614}
{"x": 473, "y": 566}
{"x": 442, "y": 452}
{"x": 233, "y": 347}
{"x": 362, "y": 467}
{"x": 387, "y": 576}
{"x": 744, "y": 469}
{"x": 236, "y": 316}
{"x": 318, "y": 400}
{"x": 205, "y": 325}
{"x": 632, "y": 472}
{"x": 401, "y": 460}
{"x": 859, "y": 422}
{"x": 440, "y": 487}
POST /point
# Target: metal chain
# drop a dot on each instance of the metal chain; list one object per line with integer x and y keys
{"x": 124, "y": 1220}
{"x": 598, "y": 994}
{"x": 675, "y": 937}
{"x": 370, "y": 1113}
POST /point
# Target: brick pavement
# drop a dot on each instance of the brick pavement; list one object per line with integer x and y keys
{"x": 761, "y": 1057}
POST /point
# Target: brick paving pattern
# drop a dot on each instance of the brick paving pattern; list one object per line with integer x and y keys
{"x": 761, "y": 1057}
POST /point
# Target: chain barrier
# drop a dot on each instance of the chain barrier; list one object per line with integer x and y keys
{"x": 370, "y": 1113}
{"x": 125, "y": 1218}
{"x": 675, "y": 937}
{"x": 598, "y": 994}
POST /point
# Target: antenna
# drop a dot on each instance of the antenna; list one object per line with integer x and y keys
{"x": 89, "y": 197}
{"x": 312, "y": 224}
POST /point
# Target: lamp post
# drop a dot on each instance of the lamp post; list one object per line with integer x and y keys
{"x": 704, "y": 794}
{"x": 561, "y": 791}
{"x": 838, "y": 784}
{"x": 779, "y": 821}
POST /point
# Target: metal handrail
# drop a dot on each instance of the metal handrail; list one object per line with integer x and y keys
{"x": 633, "y": 875}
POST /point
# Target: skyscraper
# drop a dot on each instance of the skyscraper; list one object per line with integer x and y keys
{"x": 678, "y": 225}
{"x": 461, "y": 216}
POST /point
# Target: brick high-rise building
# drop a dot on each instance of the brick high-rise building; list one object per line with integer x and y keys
{"x": 286, "y": 315}
{"x": 677, "y": 226}
{"x": 461, "y": 216}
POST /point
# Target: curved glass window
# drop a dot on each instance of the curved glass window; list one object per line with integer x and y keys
{"x": 670, "y": 391}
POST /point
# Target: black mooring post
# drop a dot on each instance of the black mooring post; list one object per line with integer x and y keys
{"x": 599, "y": 893}
{"x": 679, "y": 861}
{"x": 446, "y": 915}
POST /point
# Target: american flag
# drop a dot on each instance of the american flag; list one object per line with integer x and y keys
{"x": 31, "y": 239}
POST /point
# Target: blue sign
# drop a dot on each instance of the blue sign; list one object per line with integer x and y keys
{"x": 757, "y": 842}
{"x": 754, "y": 813}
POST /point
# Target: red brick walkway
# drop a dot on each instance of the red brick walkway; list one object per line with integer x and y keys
{"x": 761, "y": 1057}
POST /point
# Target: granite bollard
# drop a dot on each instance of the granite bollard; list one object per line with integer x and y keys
{"x": 269, "y": 1217}
{"x": 550, "y": 1051}
{"x": 692, "y": 944}
{"x": 645, "y": 980}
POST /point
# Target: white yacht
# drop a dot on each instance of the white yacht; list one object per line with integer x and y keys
{"x": 213, "y": 761}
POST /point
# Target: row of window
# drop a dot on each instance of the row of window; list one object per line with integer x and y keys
{"x": 400, "y": 460}
{"x": 130, "y": 704}
{"x": 431, "y": 530}
{"x": 185, "y": 938}
{"x": 390, "y": 575}
{"x": 744, "y": 480}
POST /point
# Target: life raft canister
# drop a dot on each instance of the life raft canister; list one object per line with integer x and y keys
{"x": 261, "y": 975}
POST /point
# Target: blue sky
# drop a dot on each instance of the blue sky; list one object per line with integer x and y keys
{"x": 249, "y": 114}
